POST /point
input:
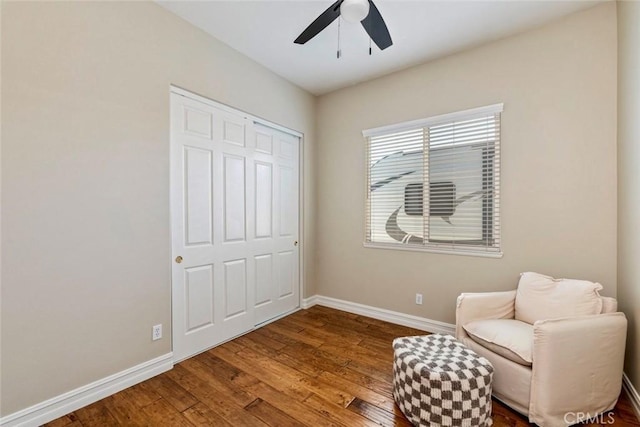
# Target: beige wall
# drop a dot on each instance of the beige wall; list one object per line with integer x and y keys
{"x": 85, "y": 181}
{"x": 629, "y": 179}
{"x": 558, "y": 85}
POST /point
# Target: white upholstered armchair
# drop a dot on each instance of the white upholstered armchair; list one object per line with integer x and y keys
{"x": 556, "y": 345}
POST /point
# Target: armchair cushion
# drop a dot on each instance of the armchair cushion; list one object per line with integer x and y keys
{"x": 511, "y": 339}
{"x": 542, "y": 297}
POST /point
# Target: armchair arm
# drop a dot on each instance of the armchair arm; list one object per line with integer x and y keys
{"x": 577, "y": 366}
{"x": 484, "y": 305}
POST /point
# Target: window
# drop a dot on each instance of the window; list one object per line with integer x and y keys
{"x": 457, "y": 158}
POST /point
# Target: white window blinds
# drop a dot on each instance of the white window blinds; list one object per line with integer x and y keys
{"x": 434, "y": 184}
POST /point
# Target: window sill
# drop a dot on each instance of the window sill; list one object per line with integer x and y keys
{"x": 396, "y": 247}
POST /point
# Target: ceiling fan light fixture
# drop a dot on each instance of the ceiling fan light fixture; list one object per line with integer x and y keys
{"x": 354, "y": 10}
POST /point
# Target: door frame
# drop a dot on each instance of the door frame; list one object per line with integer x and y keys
{"x": 174, "y": 89}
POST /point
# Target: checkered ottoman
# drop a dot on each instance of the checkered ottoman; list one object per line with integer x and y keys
{"x": 437, "y": 381}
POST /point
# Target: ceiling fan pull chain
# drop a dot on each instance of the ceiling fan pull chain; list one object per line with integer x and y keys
{"x": 369, "y": 46}
{"x": 338, "y": 53}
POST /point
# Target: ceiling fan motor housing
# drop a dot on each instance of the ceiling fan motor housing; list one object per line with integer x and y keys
{"x": 354, "y": 10}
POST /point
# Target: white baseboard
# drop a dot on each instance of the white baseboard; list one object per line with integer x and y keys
{"x": 75, "y": 399}
{"x": 396, "y": 317}
{"x": 633, "y": 394}
{"x": 309, "y": 302}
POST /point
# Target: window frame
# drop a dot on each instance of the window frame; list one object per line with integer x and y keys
{"x": 490, "y": 206}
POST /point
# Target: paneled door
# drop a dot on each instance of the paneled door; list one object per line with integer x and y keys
{"x": 234, "y": 220}
{"x": 276, "y": 226}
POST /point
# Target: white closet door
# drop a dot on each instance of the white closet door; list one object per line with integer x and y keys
{"x": 276, "y": 249}
{"x": 228, "y": 198}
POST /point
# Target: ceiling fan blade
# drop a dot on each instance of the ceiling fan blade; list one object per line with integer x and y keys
{"x": 321, "y": 22}
{"x": 376, "y": 28}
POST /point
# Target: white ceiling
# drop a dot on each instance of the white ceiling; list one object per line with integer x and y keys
{"x": 421, "y": 31}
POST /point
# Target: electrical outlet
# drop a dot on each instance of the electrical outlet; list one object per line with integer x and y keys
{"x": 419, "y": 299}
{"x": 156, "y": 333}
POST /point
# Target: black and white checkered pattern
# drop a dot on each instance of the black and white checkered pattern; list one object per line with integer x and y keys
{"x": 437, "y": 381}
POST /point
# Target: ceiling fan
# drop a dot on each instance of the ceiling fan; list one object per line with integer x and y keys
{"x": 363, "y": 11}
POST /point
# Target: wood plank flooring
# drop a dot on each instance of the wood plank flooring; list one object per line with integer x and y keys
{"x": 316, "y": 367}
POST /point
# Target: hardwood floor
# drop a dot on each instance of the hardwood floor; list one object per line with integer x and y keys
{"x": 316, "y": 367}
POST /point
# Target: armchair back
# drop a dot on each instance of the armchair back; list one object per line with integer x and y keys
{"x": 541, "y": 297}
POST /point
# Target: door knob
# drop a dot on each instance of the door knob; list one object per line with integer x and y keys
{"x": 178, "y": 259}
